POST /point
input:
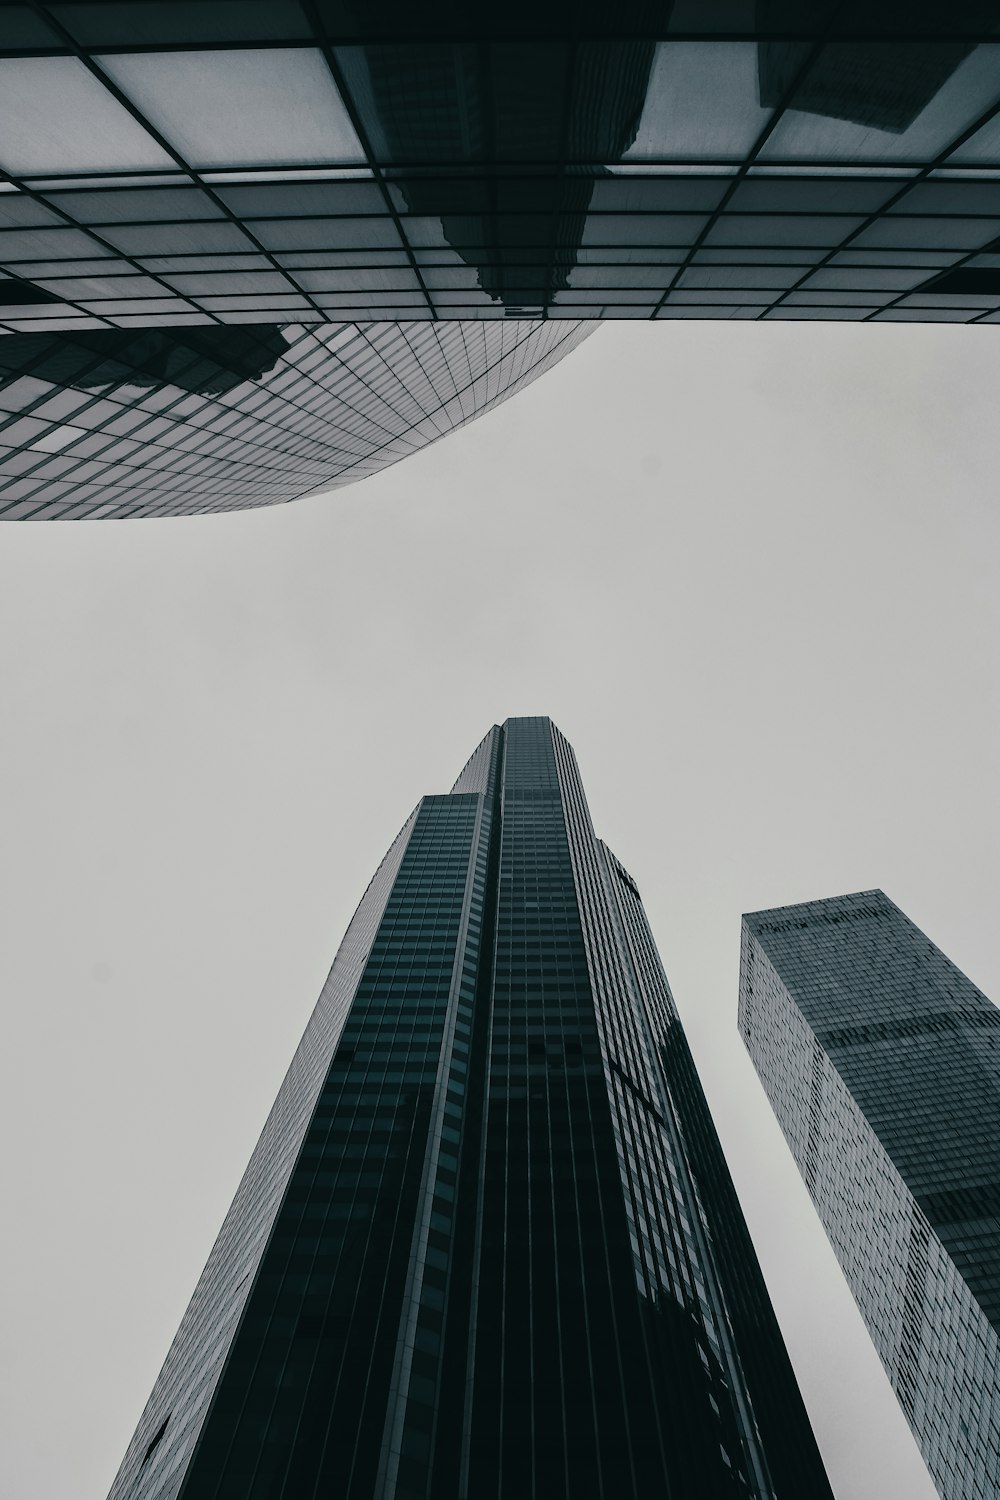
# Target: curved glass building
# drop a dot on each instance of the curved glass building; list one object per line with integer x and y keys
{"x": 242, "y": 176}
{"x": 209, "y": 417}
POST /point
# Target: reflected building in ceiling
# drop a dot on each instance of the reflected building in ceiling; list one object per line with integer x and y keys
{"x": 487, "y": 1244}
{"x": 297, "y": 165}
{"x": 882, "y": 1062}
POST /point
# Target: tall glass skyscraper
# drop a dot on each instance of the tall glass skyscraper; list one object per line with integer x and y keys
{"x": 193, "y": 196}
{"x": 487, "y": 1246}
{"x": 882, "y": 1062}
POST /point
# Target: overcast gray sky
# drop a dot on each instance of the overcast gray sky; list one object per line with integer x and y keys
{"x": 750, "y": 570}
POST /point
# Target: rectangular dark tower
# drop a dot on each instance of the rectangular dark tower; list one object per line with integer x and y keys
{"x": 487, "y": 1247}
{"x": 882, "y": 1062}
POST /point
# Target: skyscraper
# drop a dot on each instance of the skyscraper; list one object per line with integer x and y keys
{"x": 487, "y": 1245}
{"x": 267, "y": 170}
{"x": 882, "y": 1062}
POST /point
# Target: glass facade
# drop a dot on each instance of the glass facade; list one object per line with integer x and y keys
{"x": 882, "y": 1062}
{"x": 182, "y": 421}
{"x": 487, "y": 1246}
{"x": 276, "y": 167}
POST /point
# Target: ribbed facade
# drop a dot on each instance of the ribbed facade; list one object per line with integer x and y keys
{"x": 882, "y": 1062}
{"x": 487, "y": 1247}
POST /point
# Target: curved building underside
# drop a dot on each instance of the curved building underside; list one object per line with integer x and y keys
{"x": 172, "y": 422}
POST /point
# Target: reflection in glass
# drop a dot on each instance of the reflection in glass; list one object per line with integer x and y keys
{"x": 209, "y": 361}
{"x": 499, "y": 106}
{"x": 251, "y": 106}
{"x": 878, "y": 101}
{"x": 703, "y": 101}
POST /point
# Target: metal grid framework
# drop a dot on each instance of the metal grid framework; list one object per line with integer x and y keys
{"x": 882, "y": 1063}
{"x": 173, "y": 171}
{"x": 487, "y": 1245}
{"x": 320, "y": 162}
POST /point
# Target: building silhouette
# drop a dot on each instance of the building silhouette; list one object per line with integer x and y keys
{"x": 882, "y": 1063}
{"x": 295, "y": 173}
{"x": 487, "y": 1245}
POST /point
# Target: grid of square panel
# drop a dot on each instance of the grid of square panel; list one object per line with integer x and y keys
{"x": 83, "y": 435}
{"x": 325, "y": 162}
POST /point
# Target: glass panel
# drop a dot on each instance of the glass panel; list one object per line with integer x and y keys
{"x": 716, "y": 297}
{"x": 56, "y": 117}
{"x": 293, "y": 199}
{"x": 610, "y": 85}
{"x": 894, "y": 278}
{"x": 893, "y": 258}
{"x": 643, "y": 229}
{"x": 657, "y": 277}
{"x": 642, "y": 255}
{"x": 954, "y": 299}
{"x": 741, "y": 276}
{"x": 399, "y": 278}
{"x": 231, "y": 281}
{"x": 205, "y": 263}
{"x": 786, "y": 314}
{"x": 136, "y": 305}
{"x": 829, "y": 171}
{"x": 371, "y": 299}
{"x": 316, "y": 259}
{"x": 417, "y": 103}
{"x": 669, "y": 194}
{"x": 925, "y": 315}
{"x": 797, "y": 255}
{"x": 104, "y": 286}
{"x": 781, "y": 229}
{"x": 17, "y": 211}
{"x": 36, "y": 244}
{"x": 608, "y": 297}
{"x": 951, "y": 234}
{"x": 168, "y": 204}
{"x": 527, "y": 101}
{"x": 49, "y": 184}
{"x": 984, "y": 146}
{"x": 71, "y": 267}
{"x": 293, "y": 174}
{"x": 291, "y": 300}
{"x": 702, "y": 102}
{"x": 886, "y": 101}
{"x": 167, "y": 239}
{"x": 245, "y": 108}
{"x": 810, "y": 195}
{"x": 447, "y": 301}
{"x": 951, "y": 198}
{"x": 299, "y": 234}
{"x": 838, "y": 299}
